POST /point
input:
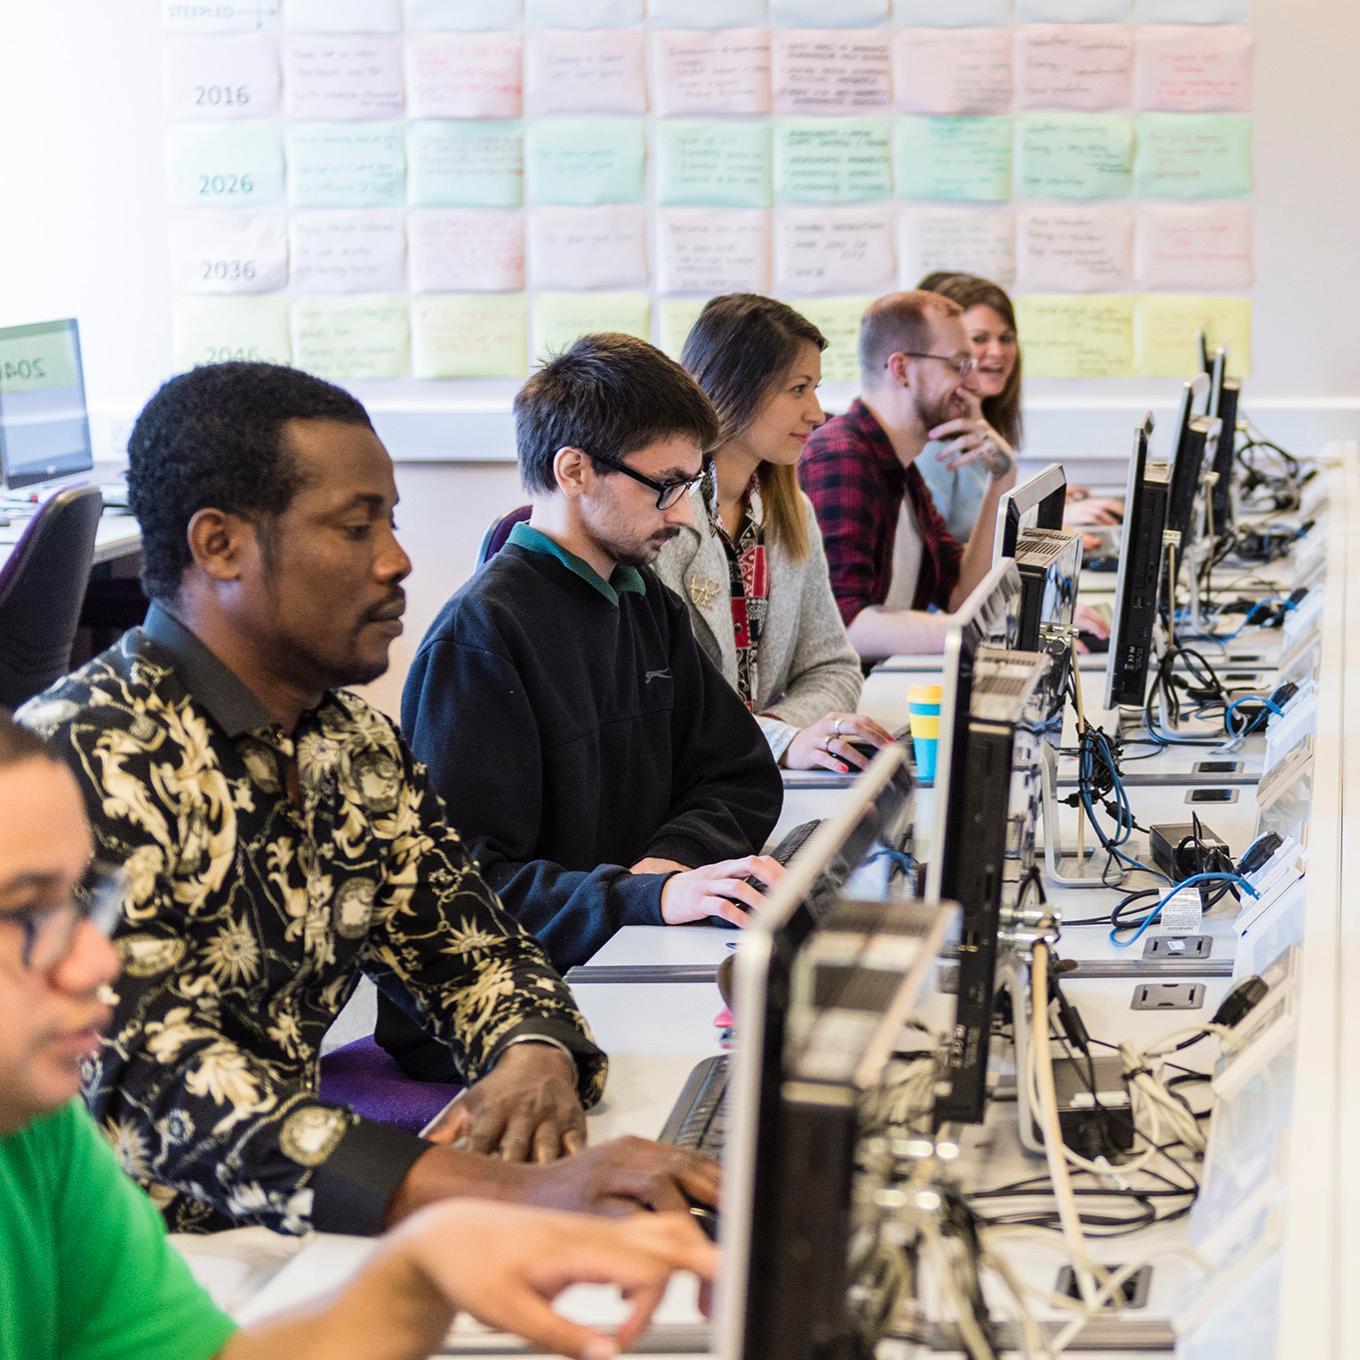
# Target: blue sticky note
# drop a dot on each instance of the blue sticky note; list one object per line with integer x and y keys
{"x": 586, "y": 161}
{"x": 832, "y": 160}
{"x": 477, "y": 163}
{"x": 346, "y": 165}
{"x": 725, "y": 163}
{"x": 953, "y": 158}
{"x": 1073, "y": 155}
{"x": 1193, "y": 155}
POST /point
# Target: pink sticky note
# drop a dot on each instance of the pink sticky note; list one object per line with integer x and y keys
{"x": 721, "y": 70}
{"x": 470, "y": 250}
{"x": 821, "y": 70}
{"x": 1184, "y": 68}
{"x": 1195, "y": 247}
{"x": 463, "y": 75}
{"x": 1073, "y": 66}
{"x": 834, "y": 249}
{"x": 973, "y": 239}
{"x": 1075, "y": 249}
{"x": 598, "y": 247}
{"x": 572, "y": 70}
{"x": 713, "y": 250}
{"x": 952, "y": 70}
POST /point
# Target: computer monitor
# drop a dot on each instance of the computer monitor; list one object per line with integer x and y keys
{"x": 1196, "y": 442}
{"x": 1049, "y": 563}
{"x": 44, "y": 429}
{"x": 1137, "y": 587}
{"x": 1224, "y": 399}
{"x": 1036, "y": 503}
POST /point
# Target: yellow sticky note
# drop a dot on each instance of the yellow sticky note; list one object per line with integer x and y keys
{"x": 469, "y": 335}
{"x": 342, "y": 338}
{"x": 678, "y": 316}
{"x": 1069, "y": 336}
{"x": 211, "y": 330}
{"x": 838, "y": 319}
{"x": 1166, "y": 329}
{"x": 561, "y": 318}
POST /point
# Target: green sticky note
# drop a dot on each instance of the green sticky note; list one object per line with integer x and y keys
{"x": 701, "y": 162}
{"x": 211, "y": 330}
{"x": 225, "y": 165}
{"x": 677, "y": 318}
{"x": 1077, "y": 335}
{"x": 465, "y": 164}
{"x": 346, "y": 165}
{"x": 342, "y": 338}
{"x": 954, "y": 158}
{"x": 1073, "y": 155}
{"x": 1166, "y": 329}
{"x": 561, "y": 318}
{"x": 586, "y": 160}
{"x": 832, "y": 160}
{"x": 1193, "y": 155}
{"x": 838, "y": 319}
{"x": 469, "y": 335}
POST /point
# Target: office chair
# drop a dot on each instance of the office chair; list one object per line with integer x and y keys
{"x": 41, "y": 589}
{"x": 494, "y": 539}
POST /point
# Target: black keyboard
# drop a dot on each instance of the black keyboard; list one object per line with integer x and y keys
{"x": 793, "y": 841}
{"x": 698, "y": 1119}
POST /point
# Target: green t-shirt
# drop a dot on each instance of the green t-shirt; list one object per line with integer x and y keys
{"x": 85, "y": 1270}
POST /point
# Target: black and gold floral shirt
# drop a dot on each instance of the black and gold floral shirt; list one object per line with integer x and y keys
{"x": 250, "y": 916}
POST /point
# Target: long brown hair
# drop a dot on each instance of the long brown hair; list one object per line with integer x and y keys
{"x": 738, "y": 351}
{"x": 1003, "y": 410}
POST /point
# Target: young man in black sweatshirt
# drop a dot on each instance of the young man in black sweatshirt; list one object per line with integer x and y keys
{"x": 586, "y": 747}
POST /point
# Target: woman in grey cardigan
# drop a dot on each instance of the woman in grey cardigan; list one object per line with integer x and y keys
{"x": 751, "y": 566}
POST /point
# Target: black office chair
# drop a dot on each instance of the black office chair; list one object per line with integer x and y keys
{"x": 41, "y": 589}
{"x": 494, "y": 538}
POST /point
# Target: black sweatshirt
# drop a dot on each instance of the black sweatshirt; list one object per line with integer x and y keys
{"x": 574, "y": 727}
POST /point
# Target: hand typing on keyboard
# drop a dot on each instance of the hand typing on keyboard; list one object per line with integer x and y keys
{"x": 727, "y": 889}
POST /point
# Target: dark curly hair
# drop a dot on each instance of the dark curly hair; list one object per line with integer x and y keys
{"x": 211, "y": 437}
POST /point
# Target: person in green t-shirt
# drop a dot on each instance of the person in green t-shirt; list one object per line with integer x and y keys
{"x": 86, "y": 1272}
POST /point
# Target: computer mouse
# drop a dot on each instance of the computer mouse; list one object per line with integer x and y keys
{"x": 706, "y": 1216}
{"x": 1094, "y": 643}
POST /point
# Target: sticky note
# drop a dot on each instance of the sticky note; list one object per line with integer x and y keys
{"x": 820, "y": 70}
{"x": 464, "y": 75}
{"x": 473, "y": 164}
{"x": 842, "y": 160}
{"x": 346, "y": 165}
{"x": 1201, "y": 12}
{"x": 724, "y": 163}
{"x": 465, "y": 250}
{"x": 330, "y": 76}
{"x": 1194, "y": 247}
{"x": 951, "y": 13}
{"x": 222, "y": 77}
{"x": 1194, "y": 70}
{"x": 705, "y": 13}
{"x": 838, "y": 320}
{"x": 1167, "y": 327}
{"x": 560, "y": 319}
{"x": 952, "y": 70}
{"x": 585, "y": 160}
{"x": 464, "y": 15}
{"x": 1071, "y": 11}
{"x": 814, "y": 13}
{"x": 1075, "y": 248}
{"x": 724, "y": 70}
{"x": 224, "y": 16}
{"x": 213, "y": 330}
{"x": 834, "y": 250}
{"x": 1073, "y": 66}
{"x": 225, "y": 165}
{"x": 677, "y": 318}
{"x": 229, "y": 252}
{"x": 469, "y": 335}
{"x": 1076, "y": 335}
{"x": 351, "y": 338}
{"x": 585, "y": 71}
{"x": 343, "y": 16}
{"x": 952, "y": 158}
{"x": 589, "y": 247}
{"x": 341, "y": 251}
{"x": 1193, "y": 155}
{"x": 1073, "y": 155}
{"x": 972, "y": 240}
{"x": 582, "y": 13}
{"x": 713, "y": 250}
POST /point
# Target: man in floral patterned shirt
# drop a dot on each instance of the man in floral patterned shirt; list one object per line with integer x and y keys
{"x": 280, "y": 841}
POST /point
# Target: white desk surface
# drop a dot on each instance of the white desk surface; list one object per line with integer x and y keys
{"x": 117, "y": 536}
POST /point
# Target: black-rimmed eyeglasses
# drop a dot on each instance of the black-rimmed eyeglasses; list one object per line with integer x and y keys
{"x": 49, "y": 928}
{"x": 963, "y": 367}
{"x": 667, "y": 493}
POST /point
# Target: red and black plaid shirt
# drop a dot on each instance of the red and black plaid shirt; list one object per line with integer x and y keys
{"x": 856, "y": 485}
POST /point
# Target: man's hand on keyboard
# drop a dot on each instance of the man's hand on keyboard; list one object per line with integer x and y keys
{"x": 718, "y": 890}
{"x": 830, "y": 744}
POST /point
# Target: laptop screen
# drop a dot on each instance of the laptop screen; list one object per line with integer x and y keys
{"x": 44, "y": 431}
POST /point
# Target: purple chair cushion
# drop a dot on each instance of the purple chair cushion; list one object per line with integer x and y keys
{"x": 364, "y": 1077}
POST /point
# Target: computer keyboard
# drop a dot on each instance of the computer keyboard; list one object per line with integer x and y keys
{"x": 698, "y": 1119}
